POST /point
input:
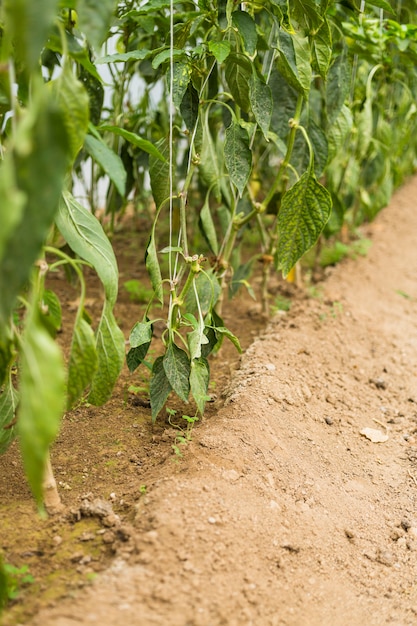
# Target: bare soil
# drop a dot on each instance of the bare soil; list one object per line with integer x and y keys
{"x": 278, "y": 512}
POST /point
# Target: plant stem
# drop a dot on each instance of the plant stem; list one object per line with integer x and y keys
{"x": 51, "y": 497}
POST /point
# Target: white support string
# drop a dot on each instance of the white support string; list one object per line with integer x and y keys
{"x": 171, "y": 138}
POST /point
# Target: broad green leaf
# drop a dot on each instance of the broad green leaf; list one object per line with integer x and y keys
{"x": 135, "y": 140}
{"x": 261, "y": 102}
{"x": 199, "y": 382}
{"x": 284, "y": 98}
{"x": 94, "y": 19}
{"x": 306, "y": 12}
{"x": 220, "y": 50}
{"x": 108, "y": 160}
{"x": 139, "y": 340}
{"x": 110, "y": 346}
{"x": 8, "y": 405}
{"x": 152, "y": 266}
{"x": 83, "y": 361}
{"x": 39, "y": 160}
{"x": 177, "y": 369}
{"x": 189, "y": 107}
{"x": 73, "y": 101}
{"x": 208, "y": 227}
{"x": 11, "y": 198}
{"x": 208, "y": 291}
{"x": 238, "y": 71}
{"x": 165, "y": 55}
{"x": 304, "y": 212}
{"x": 322, "y": 49}
{"x": 247, "y": 30}
{"x": 238, "y": 156}
{"x": 294, "y": 61}
{"x": 28, "y": 24}
{"x": 181, "y": 78}
{"x": 337, "y": 86}
{"x": 86, "y": 237}
{"x": 159, "y": 173}
{"x": 159, "y": 387}
{"x": 338, "y": 131}
{"x": 210, "y": 160}
{"x": 124, "y": 57}
{"x": 42, "y": 400}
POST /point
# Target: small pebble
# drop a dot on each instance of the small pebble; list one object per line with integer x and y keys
{"x": 328, "y": 421}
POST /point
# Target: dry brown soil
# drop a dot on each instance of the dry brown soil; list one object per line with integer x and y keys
{"x": 279, "y": 512}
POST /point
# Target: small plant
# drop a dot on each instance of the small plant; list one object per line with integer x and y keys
{"x": 184, "y": 432}
{"x": 281, "y": 303}
{"x": 12, "y": 580}
{"x": 138, "y": 292}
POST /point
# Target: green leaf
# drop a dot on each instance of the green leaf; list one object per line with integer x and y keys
{"x": 6, "y": 356}
{"x": 190, "y": 106}
{"x": 322, "y": 49}
{"x": 261, "y": 102}
{"x": 135, "y": 140}
{"x": 238, "y": 70}
{"x": 42, "y": 399}
{"x": 124, "y": 57}
{"x": 108, "y": 160}
{"x": 247, "y": 30}
{"x": 199, "y": 382}
{"x": 51, "y": 311}
{"x": 110, "y": 346}
{"x": 159, "y": 387}
{"x": 86, "y": 237}
{"x": 152, "y": 266}
{"x": 238, "y": 156}
{"x": 294, "y": 61}
{"x": 83, "y": 361}
{"x": 177, "y": 369}
{"x": 38, "y": 161}
{"x": 180, "y": 79}
{"x": 208, "y": 227}
{"x": 338, "y": 131}
{"x": 94, "y": 19}
{"x": 73, "y": 100}
{"x": 159, "y": 173}
{"x": 220, "y": 50}
{"x": 165, "y": 55}
{"x": 208, "y": 291}
{"x": 304, "y": 212}
{"x": 364, "y": 123}
{"x": 225, "y": 332}
{"x": 210, "y": 162}
{"x": 8, "y": 405}
{"x": 140, "y": 340}
{"x": 337, "y": 86}
{"x": 306, "y": 12}
{"x": 28, "y": 24}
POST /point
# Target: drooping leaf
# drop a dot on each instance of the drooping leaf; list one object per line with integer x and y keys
{"x": 83, "y": 361}
{"x": 284, "y": 98}
{"x": 382, "y": 4}
{"x": 199, "y": 382}
{"x": 207, "y": 225}
{"x": 238, "y": 155}
{"x": 95, "y": 17}
{"x": 365, "y": 128}
{"x": 140, "y": 340}
{"x": 225, "y": 332}
{"x": 42, "y": 399}
{"x": 108, "y": 160}
{"x": 247, "y": 30}
{"x": 337, "y": 86}
{"x": 294, "y": 61}
{"x": 11, "y": 198}
{"x": 304, "y": 211}
{"x": 8, "y": 405}
{"x": 28, "y": 24}
{"x": 153, "y": 268}
{"x": 189, "y": 107}
{"x": 110, "y": 346}
{"x": 210, "y": 159}
{"x": 86, "y": 237}
{"x": 261, "y": 102}
{"x": 124, "y": 57}
{"x": 6, "y": 356}
{"x": 208, "y": 291}
{"x": 135, "y": 140}
{"x": 181, "y": 76}
{"x": 51, "y": 311}
{"x": 307, "y": 13}
{"x": 159, "y": 387}
{"x": 177, "y": 369}
{"x": 322, "y": 49}
{"x": 39, "y": 160}
{"x": 338, "y": 131}
{"x": 165, "y": 56}
{"x": 73, "y": 101}
{"x": 220, "y": 50}
{"x": 238, "y": 71}
{"x": 159, "y": 173}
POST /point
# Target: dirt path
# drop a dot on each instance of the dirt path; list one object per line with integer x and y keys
{"x": 281, "y": 512}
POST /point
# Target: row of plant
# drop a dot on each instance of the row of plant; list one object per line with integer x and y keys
{"x": 281, "y": 120}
